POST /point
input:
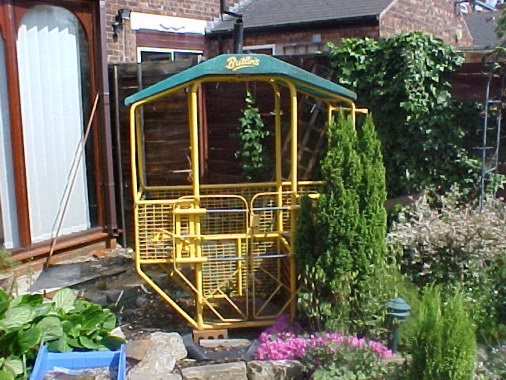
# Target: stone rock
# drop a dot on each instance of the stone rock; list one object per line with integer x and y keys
{"x": 96, "y": 296}
{"x": 137, "y": 349}
{"x": 153, "y": 376}
{"x": 161, "y": 353}
{"x": 482, "y": 353}
{"x": 225, "y": 371}
{"x": 226, "y": 343}
{"x": 117, "y": 332}
{"x": 274, "y": 370}
{"x": 172, "y": 342}
{"x": 160, "y": 361}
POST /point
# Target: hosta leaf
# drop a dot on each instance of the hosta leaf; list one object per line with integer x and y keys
{"x": 3, "y": 294}
{"x": 109, "y": 322}
{"x": 14, "y": 365}
{"x": 59, "y": 345}
{"x": 6, "y": 375}
{"x": 16, "y": 317}
{"x": 92, "y": 320}
{"x": 51, "y": 328}
{"x": 26, "y": 340}
{"x": 73, "y": 342}
{"x": 64, "y": 299}
{"x": 72, "y": 330}
{"x": 4, "y": 305}
{"x": 27, "y": 299}
{"x": 43, "y": 309}
{"x": 88, "y": 343}
{"x": 6, "y": 342}
{"x": 112, "y": 343}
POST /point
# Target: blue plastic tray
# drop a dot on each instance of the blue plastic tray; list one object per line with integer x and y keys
{"x": 46, "y": 361}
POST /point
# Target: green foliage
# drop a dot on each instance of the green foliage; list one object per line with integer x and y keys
{"x": 64, "y": 324}
{"x": 251, "y": 134}
{"x": 444, "y": 346}
{"x": 339, "y": 222}
{"x": 343, "y": 361}
{"x": 457, "y": 243}
{"x": 345, "y": 274}
{"x": 403, "y": 80}
{"x": 305, "y": 234}
{"x": 6, "y": 261}
{"x": 501, "y": 25}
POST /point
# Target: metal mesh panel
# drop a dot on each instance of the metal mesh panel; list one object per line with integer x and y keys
{"x": 226, "y": 273}
{"x": 245, "y": 243}
{"x": 153, "y": 219}
{"x": 225, "y": 215}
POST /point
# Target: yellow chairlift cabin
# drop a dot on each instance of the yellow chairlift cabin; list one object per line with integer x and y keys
{"x": 228, "y": 246}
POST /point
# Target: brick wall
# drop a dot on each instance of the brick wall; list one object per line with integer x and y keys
{"x": 124, "y": 49}
{"x": 430, "y": 16}
{"x": 290, "y": 38}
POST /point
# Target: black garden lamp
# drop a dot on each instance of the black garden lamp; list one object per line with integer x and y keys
{"x": 398, "y": 311}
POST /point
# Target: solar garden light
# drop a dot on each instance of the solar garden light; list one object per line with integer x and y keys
{"x": 398, "y": 311}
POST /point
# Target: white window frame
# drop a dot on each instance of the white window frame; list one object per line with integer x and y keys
{"x": 168, "y": 51}
{"x": 252, "y": 48}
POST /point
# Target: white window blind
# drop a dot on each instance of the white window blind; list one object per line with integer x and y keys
{"x": 51, "y": 106}
{"x": 8, "y": 213}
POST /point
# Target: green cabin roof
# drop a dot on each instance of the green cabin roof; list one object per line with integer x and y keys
{"x": 249, "y": 65}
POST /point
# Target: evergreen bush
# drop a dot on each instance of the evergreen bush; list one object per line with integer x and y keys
{"x": 345, "y": 275}
{"x": 444, "y": 346}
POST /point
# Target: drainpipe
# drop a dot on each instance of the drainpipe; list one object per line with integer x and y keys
{"x": 238, "y": 27}
{"x": 111, "y": 224}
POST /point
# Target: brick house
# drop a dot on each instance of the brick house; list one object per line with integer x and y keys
{"x": 303, "y": 26}
{"x": 152, "y": 29}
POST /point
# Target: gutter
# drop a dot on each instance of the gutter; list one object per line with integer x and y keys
{"x": 302, "y": 25}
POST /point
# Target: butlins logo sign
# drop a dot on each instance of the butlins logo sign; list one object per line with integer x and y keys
{"x": 234, "y": 63}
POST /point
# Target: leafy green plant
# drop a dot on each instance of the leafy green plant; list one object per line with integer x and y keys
{"x": 6, "y": 261}
{"x": 64, "y": 324}
{"x": 426, "y": 136}
{"x": 444, "y": 346}
{"x": 345, "y": 274}
{"x": 457, "y": 243}
{"x": 251, "y": 153}
{"x": 344, "y": 361}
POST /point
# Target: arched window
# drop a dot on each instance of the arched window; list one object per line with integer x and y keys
{"x": 52, "y": 62}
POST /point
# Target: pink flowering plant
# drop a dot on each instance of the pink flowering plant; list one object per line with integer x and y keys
{"x": 326, "y": 355}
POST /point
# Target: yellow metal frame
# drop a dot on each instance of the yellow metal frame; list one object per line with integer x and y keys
{"x": 226, "y": 245}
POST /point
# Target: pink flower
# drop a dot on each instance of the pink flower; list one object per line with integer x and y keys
{"x": 280, "y": 342}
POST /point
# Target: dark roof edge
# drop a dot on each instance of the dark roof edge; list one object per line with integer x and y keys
{"x": 301, "y": 25}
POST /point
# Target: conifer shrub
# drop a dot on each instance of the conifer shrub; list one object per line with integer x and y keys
{"x": 345, "y": 274}
{"x": 444, "y": 346}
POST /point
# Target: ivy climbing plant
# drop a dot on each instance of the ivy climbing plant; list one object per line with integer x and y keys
{"x": 426, "y": 135}
{"x": 251, "y": 133}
